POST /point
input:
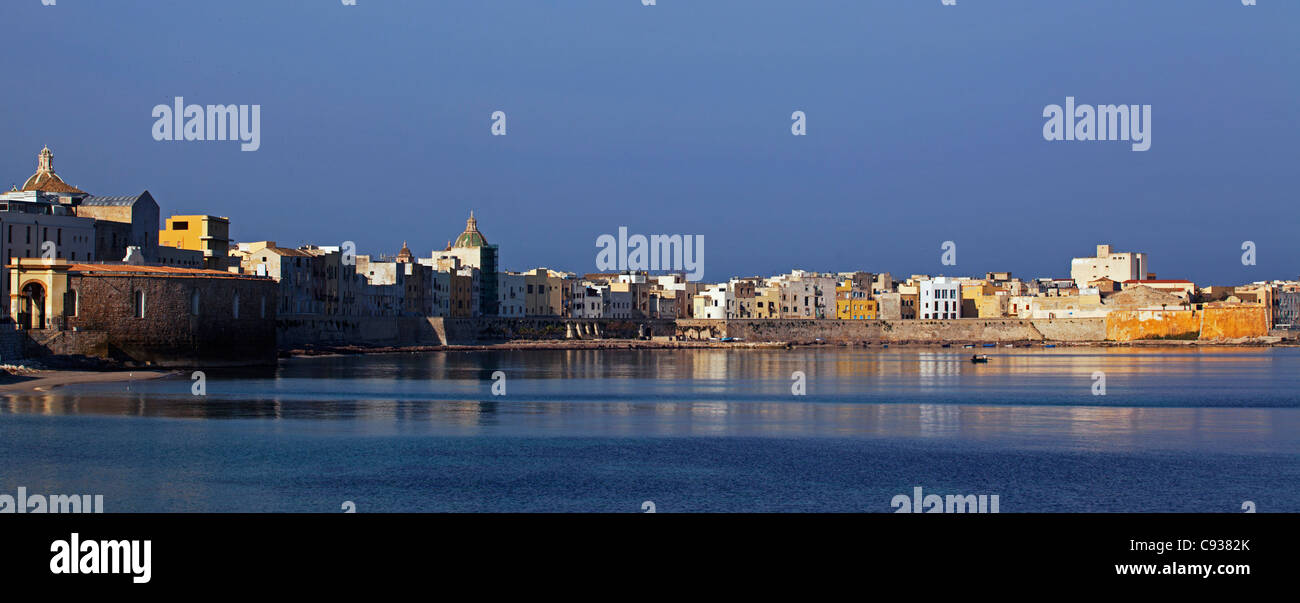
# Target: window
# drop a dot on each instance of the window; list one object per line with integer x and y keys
{"x": 194, "y": 302}
{"x": 236, "y": 306}
{"x": 138, "y": 302}
{"x": 180, "y": 225}
{"x": 70, "y": 303}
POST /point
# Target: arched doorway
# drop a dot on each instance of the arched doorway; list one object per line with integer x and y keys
{"x": 32, "y": 314}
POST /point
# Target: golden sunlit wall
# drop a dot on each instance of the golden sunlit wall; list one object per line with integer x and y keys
{"x": 856, "y": 309}
{"x": 209, "y": 234}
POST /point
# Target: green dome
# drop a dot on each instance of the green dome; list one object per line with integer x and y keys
{"x": 471, "y": 237}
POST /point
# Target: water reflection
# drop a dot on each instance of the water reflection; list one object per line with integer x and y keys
{"x": 1244, "y": 398}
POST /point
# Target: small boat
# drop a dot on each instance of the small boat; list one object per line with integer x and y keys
{"x": 969, "y": 345}
{"x": 990, "y": 345}
{"x": 1049, "y": 345}
{"x": 946, "y": 345}
{"x": 979, "y": 359}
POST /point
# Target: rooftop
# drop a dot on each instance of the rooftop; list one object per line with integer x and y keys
{"x": 174, "y": 271}
{"x": 46, "y": 180}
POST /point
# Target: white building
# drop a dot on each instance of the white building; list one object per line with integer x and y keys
{"x": 713, "y": 302}
{"x": 589, "y": 300}
{"x": 34, "y": 224}
{"x": 940, "y": 298}
{"x": 510, "y": 294}
{"x": 1116, "y": 266}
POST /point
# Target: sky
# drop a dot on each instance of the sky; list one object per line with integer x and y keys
{"x": 924, "y": 124}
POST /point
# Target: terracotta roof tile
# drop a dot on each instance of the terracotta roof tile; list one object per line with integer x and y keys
{"x": 159, "y": 270}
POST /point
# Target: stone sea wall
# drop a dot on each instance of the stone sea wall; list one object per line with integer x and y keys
{"x": 849, "y": 331}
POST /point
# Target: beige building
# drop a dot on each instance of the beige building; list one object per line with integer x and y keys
{"x": 1068, "y": 306}
{"x": 544, "y": 292}
{"x": 1181, "y": 288}
{"x": 1116, "y": 266}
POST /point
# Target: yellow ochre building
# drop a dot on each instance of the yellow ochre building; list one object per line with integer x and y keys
{"x": 209, "y": 234}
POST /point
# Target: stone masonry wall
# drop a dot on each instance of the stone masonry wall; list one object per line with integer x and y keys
{"x": 170, "y": 334}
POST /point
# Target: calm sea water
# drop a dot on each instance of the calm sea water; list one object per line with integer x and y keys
{"x": 1199, "y": 430}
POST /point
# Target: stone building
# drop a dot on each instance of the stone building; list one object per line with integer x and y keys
{"x": 120, "y": 222}
{"x": 155, "y": 315}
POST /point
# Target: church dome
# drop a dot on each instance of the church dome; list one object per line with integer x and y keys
{"x": 471, "y": 237}
{"x": 45, "y": 180}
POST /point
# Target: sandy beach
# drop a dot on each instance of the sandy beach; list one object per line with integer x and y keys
{"x": 44, "y": 380}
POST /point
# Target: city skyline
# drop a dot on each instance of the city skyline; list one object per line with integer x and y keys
{"x": 44, "y": 166}
{"x": 610, "y": 127}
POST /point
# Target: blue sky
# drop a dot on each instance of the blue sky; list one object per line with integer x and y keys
{"x": 924, "y": 125}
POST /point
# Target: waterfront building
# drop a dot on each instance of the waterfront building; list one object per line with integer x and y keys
{"x": 682, "y": 289}
{"x": 798, "y": 298}
{"x": 741, "y": 302}
{"x": 1020, "y": 306}
{"x": 472, "y": 249}
{"x": 1084, "y": 305}
{"x": 712, "y": 302}
{"x": 852, "y": 300}
{"x": 622, "y": 304}
{"x": 30, "y": 219}
{"x": 589, "y": 300}
{"x": 292, "y": 269}
{"x": 1286, "y": 308}
{"x": 767, "y": 302}
{"x": 342, "y": 287}
{"x": 511, "y": 289}
{"x": 544, "y": 292}
{"x": 1117, "y": 266}
{"x": 207, "y": 234}
{"x": 996, "y": 305}
{"x": 663, "y": 304}
{"x": 940, "y": 298}
{"x": 160, "y": 315}
{"x": 80, "y": 226}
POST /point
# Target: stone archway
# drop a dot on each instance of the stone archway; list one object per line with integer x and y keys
{"x": 31, "y": 310}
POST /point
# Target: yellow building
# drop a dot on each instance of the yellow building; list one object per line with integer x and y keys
{"x": 856, "y": 309}
{"x": 851, "y": 302}
{"x": 767, "y": 302}
{"x": 209, "y": 234}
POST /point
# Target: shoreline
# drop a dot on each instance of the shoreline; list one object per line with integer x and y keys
{"x": 635, "y": 344}
{"x": 42, "y": 380}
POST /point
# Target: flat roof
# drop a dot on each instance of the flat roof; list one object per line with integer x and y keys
{"x": 158, "y": 271}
